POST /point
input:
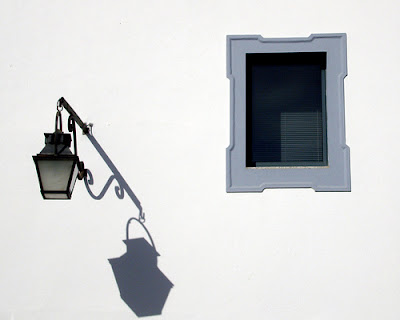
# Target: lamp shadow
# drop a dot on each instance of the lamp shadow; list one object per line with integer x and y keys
{"x": 142, "y": 285}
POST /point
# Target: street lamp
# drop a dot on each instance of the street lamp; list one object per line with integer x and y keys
{"x": 57, "y": 167}
{"x": 142, "y": 285}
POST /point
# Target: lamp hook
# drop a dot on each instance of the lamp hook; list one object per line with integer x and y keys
{"x": 58, "y": 121}
{"x": 59, "y": 106}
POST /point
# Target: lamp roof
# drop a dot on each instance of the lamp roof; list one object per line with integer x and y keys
{"x": 57, "y": 143}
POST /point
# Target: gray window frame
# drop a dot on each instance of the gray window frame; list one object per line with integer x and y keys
{"x": 333, "y": 177}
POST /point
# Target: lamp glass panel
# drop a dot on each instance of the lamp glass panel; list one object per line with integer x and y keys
{"x": 55, "y": 174}
{"x": 73, "y": 180}
{"x": 55, "y": 196}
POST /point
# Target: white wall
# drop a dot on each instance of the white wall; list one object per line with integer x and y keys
{"x": 151, "y": 77}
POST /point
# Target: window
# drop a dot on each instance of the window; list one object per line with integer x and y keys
{"x": 287, "y": 113}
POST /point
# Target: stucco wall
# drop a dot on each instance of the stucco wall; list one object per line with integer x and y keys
{"x": 151, "y": 77}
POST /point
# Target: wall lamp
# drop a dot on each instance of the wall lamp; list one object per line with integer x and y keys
{"x": 57, "y": 167}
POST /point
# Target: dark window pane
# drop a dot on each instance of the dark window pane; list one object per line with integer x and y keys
{"x": 285, "y": 103}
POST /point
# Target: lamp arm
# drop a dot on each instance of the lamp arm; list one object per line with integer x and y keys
{"x": 63, "y": 103}
{"x": 119, "y": 190}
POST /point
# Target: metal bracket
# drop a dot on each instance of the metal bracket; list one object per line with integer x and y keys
{"x": 85, "y": 127}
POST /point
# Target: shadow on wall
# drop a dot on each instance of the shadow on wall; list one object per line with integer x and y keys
{"x": 142, "y": 286}
{"x": 122, "y": 185}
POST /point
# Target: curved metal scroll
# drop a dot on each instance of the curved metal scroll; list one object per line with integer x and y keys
{"x": 119, "y": 191}
{"x": 71, "y": 128}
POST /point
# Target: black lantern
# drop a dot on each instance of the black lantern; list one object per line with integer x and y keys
{"x": 57, "y": 167}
